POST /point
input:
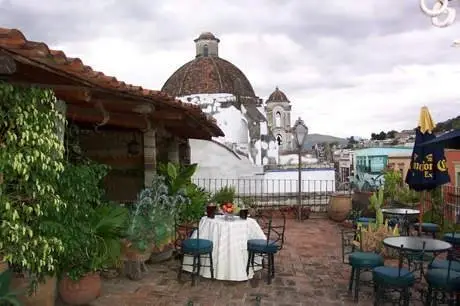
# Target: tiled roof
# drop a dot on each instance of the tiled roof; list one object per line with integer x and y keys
{"x": 277, "y": 96}
{"x": 38, "y": 53}
{"x": 208, "y": 75}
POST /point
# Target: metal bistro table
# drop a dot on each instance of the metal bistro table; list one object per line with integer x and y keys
{"x": 403, "y": 215}
{"x": 415, "y": 244}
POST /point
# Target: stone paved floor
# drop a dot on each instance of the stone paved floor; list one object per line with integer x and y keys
{"x": 309, "y": 272}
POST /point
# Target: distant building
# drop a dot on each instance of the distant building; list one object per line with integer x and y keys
{"x": 375, "y": 160}
{"x": 344, "y": 161}
{"x": 400, "y": 161}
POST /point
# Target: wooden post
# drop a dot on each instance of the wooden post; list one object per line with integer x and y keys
{"x": 7, "y": 64}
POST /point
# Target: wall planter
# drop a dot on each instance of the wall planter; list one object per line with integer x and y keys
{"x": 81, "y": 292}
{"x": 339, "y": 207}
{"x": 45, "y": 295}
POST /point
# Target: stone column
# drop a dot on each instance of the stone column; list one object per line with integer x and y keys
{"x": 150, "y": 158}
{"x": 173, "y": 150}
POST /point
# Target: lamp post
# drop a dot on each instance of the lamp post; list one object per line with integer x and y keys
{"x": 300, "y": 131}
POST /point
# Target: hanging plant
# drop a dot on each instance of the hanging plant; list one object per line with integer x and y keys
{"x": 31, "y": 160}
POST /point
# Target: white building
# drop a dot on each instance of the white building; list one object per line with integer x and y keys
{"x": 254, "y": 132}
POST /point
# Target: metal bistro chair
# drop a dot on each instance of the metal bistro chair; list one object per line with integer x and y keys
{"x": 267, "y": 248}
{"x": 443, "y": 281}
{"x": 428, "y": 228}
{"x": 195, "y": 247}
{"x": 394, "y": 278}
{"x": 359, "y": 260}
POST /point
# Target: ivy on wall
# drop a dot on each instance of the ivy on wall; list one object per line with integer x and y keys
{"x": 31, "y": 160}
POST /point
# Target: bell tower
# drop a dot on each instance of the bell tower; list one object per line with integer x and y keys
{"x": 278, "y": 110}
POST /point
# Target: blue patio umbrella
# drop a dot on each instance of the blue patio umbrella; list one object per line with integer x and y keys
{"x": 428, "y": 168}
{"x": 449, "y": 140}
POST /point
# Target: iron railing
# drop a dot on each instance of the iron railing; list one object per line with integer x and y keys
{"x": 275, "y": 192}
{"x": 451, "y": 199}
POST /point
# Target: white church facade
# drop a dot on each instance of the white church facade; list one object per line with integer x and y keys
{"x": 257, "y": 134}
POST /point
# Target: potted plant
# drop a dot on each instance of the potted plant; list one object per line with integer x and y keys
{"x": 152, "y": 220}
{"x": 90, "y": 229}
{"x": 363, "y": 187}
{"x": 373, "y": 234}
{"x": 91, "y": 246}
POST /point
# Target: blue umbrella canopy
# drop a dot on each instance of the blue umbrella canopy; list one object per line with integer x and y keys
{"x": 428, "y": 168}
{"x": 450, "y": 140}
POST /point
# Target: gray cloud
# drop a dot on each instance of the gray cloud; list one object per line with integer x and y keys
{"x": 314, "y": 50}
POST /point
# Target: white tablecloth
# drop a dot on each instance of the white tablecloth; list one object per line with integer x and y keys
{"x": 230, "y": 253}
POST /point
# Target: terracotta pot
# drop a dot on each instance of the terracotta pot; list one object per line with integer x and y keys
{"x": 81, "y": 292}
{"x": 360, "y": 201}
{"x": 45, "y": 295}
{"x": 339, "y": 207}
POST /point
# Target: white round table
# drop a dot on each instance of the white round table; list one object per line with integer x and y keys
{"x": 230, "y": 255}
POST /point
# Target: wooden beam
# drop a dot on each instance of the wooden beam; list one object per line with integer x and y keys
{"x": 7, "y": 64}
{"x": 73, "y": 94}
{"x": 122, "y": 107}
{"x": 94, "y": 116}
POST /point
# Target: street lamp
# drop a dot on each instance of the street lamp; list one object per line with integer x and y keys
{"x": 300, "y": 131}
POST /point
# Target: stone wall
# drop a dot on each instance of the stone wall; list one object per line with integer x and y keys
{"x": 126, "y": 177}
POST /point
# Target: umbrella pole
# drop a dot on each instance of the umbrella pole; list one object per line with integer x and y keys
{"x": 422, "y": 206}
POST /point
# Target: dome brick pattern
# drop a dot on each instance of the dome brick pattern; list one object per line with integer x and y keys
{"x": 208, "y": 75}
{"x": 278, "y": 96}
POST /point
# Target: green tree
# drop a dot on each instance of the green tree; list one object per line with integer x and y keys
{"x": 31, "y": 160}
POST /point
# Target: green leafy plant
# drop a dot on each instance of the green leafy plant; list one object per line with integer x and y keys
{"x": 91, "y": 229}
{"x": 224, "y": 195}
{"x": 408, "y": 197}
{"x": 7, "y": 297}
{"x": 193, "y": 211}
{"x": 393, "y": 183}
{"x": 176, "y": 177}
{"x": 31, "y": 160}
{"x": 354, "y": 214}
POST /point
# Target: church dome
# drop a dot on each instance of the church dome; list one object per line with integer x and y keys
{"x": 277, "y": 96}
{"x": 208, "y": 73}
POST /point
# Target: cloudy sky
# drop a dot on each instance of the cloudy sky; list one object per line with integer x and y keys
{"x": 349, "y": 67}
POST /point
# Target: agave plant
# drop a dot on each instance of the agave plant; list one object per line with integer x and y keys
{"x": 376, "y": 203}
{"x": 152, "y": 219}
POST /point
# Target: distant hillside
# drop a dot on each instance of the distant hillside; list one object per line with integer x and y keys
{"x": 448, "y": 125}
{"x": 313, "y": 139}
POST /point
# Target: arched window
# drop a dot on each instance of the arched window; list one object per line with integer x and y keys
{"x": 205, "y": 50}
{"x": 279, "y": 139}
{"x": 278, "y": 119}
